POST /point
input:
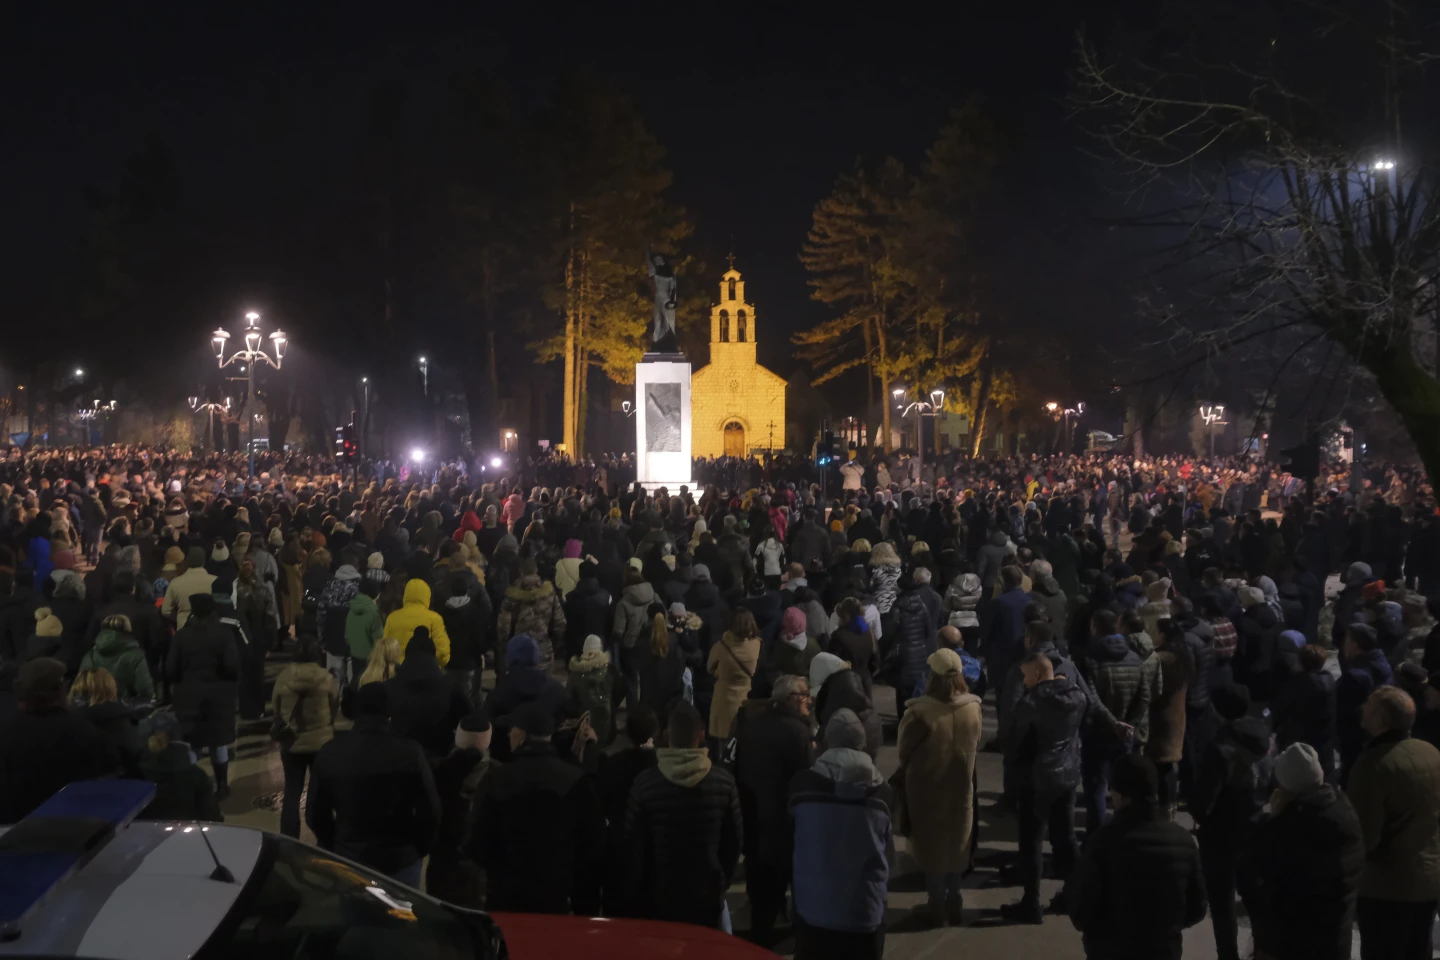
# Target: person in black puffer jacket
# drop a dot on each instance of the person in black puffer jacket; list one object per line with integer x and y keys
{"x": 1139, "y": 884}
{"x": 1230, "y": 791}
{"x": 843, "y": 690}
{"x": 1122, "y": 697}
{"x": 523, "y": 682}
{"x": 465, "y": 608}
{"x": 683, "y": 830}
{"x": 587, "y": 610}
{"x": 916, "y": 641}
{"x": 425, "y": 704}
{"x": 1303, "y": 710}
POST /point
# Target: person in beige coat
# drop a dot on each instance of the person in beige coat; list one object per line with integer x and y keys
{"x": 306, "y": 701}
{"x": 194, "y": 580}
{"x": 938, "y": 740}
{"x": 1166, "y": 743}
{"x": 732, "y": 663}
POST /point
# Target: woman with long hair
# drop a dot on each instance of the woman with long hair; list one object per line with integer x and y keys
{"x": 98, "y": 700}
{"x": 662, "y": 674}
{"x": 383, "y": 660}
{"x": 732, "y": 663}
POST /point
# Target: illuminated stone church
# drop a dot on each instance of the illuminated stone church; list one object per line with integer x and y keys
{"x": 737, "y": 406}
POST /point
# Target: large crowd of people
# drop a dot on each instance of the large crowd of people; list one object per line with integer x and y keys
{"x": 538, "y": 687}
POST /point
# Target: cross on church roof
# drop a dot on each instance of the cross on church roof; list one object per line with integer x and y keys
{"x": 731, "y": 258}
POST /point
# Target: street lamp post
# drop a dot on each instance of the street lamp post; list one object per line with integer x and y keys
{"x": 365, "y": 416}
{"x": 250, "y": 355}
{"x": 921, "y": 409}
{"x": 1213, "y": 415}
{"x": 210, "y": 408}
{"x": 1063, "y": 415}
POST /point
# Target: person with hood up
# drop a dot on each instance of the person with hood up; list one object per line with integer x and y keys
{"x": 1139, "y": 884}
{"x": 364, "y": 627}
{"x": 47, "y": 638}
{"x": 1157, "y": 604}
{"x": 683, "y": 830}
{"x": 331, "y": 611}
{"x": 415, "y": 613}
{"x": 592, "y": 688}
{"x": 425, "y": 703}
{"x": 995, "y": 554}
{"x": 1044, "y": 745}
{"x": 1363, "y": 670}
{"x": 795, "y": 648}
{"x": 1045, "y": 590}
{"x": 117, "y": 651}
{"x": 567, "y": 568}
{"x": 1350, "y": 604}
{"x": 372, "y": 795}
{"x": 1300, "y": 874}
{"x": 306, "y": 701}
{"x": 522, "y": 682}
{"x": 587, "y": 608}
{"x": 1258, "y": 629}
{"x": 532, "y": 608}
{"x": 466, "y": 612}
{"x": 375, "y": 569}
{"x": 469, "y": 522}
{"x": 937, "y": 743}
{"x": 841, "y": 809}
{"x": 1231, "y": 786}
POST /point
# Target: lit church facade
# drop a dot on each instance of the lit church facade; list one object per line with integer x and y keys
{"x": 737, "y": 406}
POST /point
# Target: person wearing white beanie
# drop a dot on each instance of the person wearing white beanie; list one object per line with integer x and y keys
{"x": 1303, "y": 865}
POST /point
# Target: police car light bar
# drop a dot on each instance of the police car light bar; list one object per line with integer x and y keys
{"x": 58, "y": 838}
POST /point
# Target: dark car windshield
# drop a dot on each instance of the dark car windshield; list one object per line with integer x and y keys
{"x": 303, "y": 903}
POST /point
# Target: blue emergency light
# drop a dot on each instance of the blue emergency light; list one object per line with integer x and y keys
{"x": 58, "y": 838}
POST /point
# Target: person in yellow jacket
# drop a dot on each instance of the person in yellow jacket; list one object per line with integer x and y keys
{"x": 416, "y": 612}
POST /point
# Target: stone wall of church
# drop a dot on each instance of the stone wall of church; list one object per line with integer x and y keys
{"x": 733, "y": 387}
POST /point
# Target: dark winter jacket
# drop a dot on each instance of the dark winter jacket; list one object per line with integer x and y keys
{"x": 592, "y": 689}
{"x": 520, "y": 685}
{"x": 844, "y": 690}
{"x": 182, "y": 790}
{"x": 467, "y": 623}
{"x": 1044, "y": 738}
{"x": 425, "y": 704}
{"x": 1200, "y": 640}
{"x": 534, "y": 829}
{"x": 914, "y": 643}
{"x": 1120, "y": 682}
{"x": 843, "y": 847}
{"x": 767, "y": 610}
{"x": 1303, "y": 711}
{"x": 1301, "y": 876}
{"x": 683, "y": 835}
{"x": 1137, "y": 886}
{"x": 203, "y": 667}
{"x": 856, "y": 646}
{"x": 1359, "y": 678}
{"x": 117, "y": 722}
{"x": 372, "y": 797}
{"x": 1395, "y": 789}
{"x": 1232, "y": 783}
{"x": 1004, "y": 631}
{"x": 1259, "y": 628}
{"x": 587, "y": 613}
{"x": 121, "y": 654}
{"x": 774, "y": 744}
{"x": 42, "y": 751}
{"x": 144, "y": 622}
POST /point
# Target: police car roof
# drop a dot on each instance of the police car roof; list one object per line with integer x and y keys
{"x": 145, "y": 895}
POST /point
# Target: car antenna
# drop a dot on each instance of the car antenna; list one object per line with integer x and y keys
{"x": 221, "y": 872}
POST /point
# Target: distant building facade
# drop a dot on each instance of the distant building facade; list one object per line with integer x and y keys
{"x": 737, "y": 406}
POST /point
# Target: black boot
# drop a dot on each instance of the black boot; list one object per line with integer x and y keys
{"x": 222, "y": 780}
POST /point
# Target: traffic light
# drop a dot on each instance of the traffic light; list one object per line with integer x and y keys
{"x": 1304, "y": 458}
{"x": 825, "y": 451}
{"x": 345, "y": 449}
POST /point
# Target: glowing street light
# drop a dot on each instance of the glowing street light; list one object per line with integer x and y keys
{"x": 921, "y": 409}
{"x": 1213, "y": 415}
{"x": 249, "y": 357}
{"x": 417, "y": 455}
{"x": 1384, "y": 164}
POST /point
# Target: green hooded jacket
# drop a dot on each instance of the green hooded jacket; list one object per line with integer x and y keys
{"x": 363, "y": 627}
{"x": 120, "y": 653}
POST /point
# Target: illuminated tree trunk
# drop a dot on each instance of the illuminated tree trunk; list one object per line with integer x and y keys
{"x": 571, "y": 313}
{"x": 884, "y": 379}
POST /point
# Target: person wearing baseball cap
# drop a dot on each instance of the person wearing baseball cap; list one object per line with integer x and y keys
{"x": 539, "y": 825}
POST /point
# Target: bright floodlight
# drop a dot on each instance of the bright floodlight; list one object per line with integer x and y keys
{"x": 252, "y": 316}
{"x": 1052, "y": 406}
{"x": 898, "y": 391}
{"x": 417, "y": 455}
{"x": 422, "y": 359}
{"x": 496, "y": 461}
{"x": 79, "y": 372}
{"x": 1384, "y": 164}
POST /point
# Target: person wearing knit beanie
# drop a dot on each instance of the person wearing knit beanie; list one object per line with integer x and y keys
{"x": 276, "y": 538}
{"x": 1298, "y": 770}
{"x": 376, "y": 561}
{"x": 47, "y": 624}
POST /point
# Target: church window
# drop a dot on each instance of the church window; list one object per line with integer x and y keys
{"x": 732, "y": 288}
{"x": 724, "y": 326}
{"x": 740, "y": 326}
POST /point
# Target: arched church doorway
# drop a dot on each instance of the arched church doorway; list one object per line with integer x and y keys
{"x": 734, "y": 439}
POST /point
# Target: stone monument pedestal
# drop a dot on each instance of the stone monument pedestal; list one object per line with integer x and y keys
{"x": 662, "y": 422}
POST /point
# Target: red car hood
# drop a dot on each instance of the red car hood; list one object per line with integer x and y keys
{"x": 533, "y": 936}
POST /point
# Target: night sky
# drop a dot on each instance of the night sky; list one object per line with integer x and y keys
{"x": 759, "y": 108}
